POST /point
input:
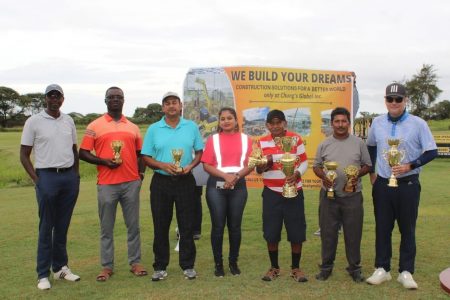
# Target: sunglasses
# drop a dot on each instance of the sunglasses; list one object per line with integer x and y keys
{"x": 396, "y": 99}
{"x": 56, "y": 96}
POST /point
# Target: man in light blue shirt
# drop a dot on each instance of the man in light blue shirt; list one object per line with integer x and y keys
{"x": 172, "y": 184}
{"x": 397, "y": 203}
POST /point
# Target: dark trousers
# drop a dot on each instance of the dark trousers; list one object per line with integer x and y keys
{"x": 197, "y": 226}
{"x": 165, "y": 191}
{"x": 349, "y": 212}
{"x": 396, "y": 203}
{"x": 56, "y": 195}
{"x": 226, "y": 206}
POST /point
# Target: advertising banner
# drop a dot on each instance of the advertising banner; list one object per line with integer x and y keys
{"x": 306, "y": 97}
{"x": 443, "y": 144}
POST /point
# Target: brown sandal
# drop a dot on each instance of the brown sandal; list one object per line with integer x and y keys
{"x": 104, "y": 274}
{"x": 138, "y": 270}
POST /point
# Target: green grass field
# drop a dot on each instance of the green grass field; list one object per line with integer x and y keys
{"x": 18, "y": 235}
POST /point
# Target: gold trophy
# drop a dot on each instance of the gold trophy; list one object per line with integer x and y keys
{"x": 394, "y": 157}
{"x": 256, "y": 158}
{"x": 176, "y": 155}
{"x": 117, "y": 147}
{"x": 288, "y": 162}
{"x": 331, "y": 174}
{"x": 351, "y": 171}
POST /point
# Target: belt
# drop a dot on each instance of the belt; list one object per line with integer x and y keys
{"x": 173, "y": 177}
{"x": 56, "y": 170}
{"x": 405, "y": 179}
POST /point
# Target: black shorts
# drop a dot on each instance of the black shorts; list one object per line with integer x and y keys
{"x": 278, "y": 209}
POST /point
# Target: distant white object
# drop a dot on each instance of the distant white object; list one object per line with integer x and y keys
{"x": 177, "y": 247}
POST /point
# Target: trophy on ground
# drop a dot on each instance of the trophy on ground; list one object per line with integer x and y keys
{"x": 331, "y": 174}
{"x": 117, "y": 146}
{"x": 351, "y": 171}
{"x": 256, "y": 158}
{"x": 394, "y": 157}
{"x": 288, "y": 162}
{"x": 176, "y": 155}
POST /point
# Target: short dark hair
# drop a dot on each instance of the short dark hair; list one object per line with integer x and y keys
{"x": 231, "y": 111}
{"x": 340, "y": 111}
{"x": 113, "y": 88}
{"x": 275, "y": 113}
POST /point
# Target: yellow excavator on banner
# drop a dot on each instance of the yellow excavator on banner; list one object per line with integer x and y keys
{"x": 208, "y": 122}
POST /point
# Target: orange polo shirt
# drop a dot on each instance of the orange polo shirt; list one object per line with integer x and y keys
{"x": 98, "y": 137}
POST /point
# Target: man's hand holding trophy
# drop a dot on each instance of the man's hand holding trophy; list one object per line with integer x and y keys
{"x": 117, "y": 146}
{"x": 177, "y": 154}
{"x": 288, "y": 163}
{"x": 331, "y": 175}
{"x": 394, "y": 157}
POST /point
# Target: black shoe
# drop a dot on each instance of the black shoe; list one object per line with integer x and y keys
{"x": 219, "y": 271}
{"x": 357, "y": 276}
{"x": 323, "y": 275}
{"x": 234, "y": 269}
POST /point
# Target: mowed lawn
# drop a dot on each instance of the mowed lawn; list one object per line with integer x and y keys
{"x": 18, "y": 235}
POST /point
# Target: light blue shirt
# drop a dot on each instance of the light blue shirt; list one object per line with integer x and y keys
{"x": 415, "y": 138}
{"x": 161, "y": 138}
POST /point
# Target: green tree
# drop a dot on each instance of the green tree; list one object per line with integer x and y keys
{"x": 12, "y": 105}
{"x": 35, "y": 103}
{"x": 422, "y": 90}
{"x": 439, "y": 111}
{"x": 148, "y": 115}
{"x": 89, "y": 118}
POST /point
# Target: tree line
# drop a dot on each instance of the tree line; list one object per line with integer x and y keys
{"x": 422, "y": 90}
{"x": 16, "y": 108}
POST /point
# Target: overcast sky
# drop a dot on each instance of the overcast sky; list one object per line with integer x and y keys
{"x": 146, "y": 47}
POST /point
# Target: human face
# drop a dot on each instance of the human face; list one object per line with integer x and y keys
{"x": 276, "y": 127}
{"x": 227, "y": 121}
{"x": 172, "y": 107}
{"x": 54, "y": 100}
{"x": 395, "y": 109}
{"x": 114, "y": 100}
{"x": 340, "y": 126}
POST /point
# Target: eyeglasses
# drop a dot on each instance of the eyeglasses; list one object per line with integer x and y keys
{"x": 56, "y": 96}
{"x": 112, "y": 97}
{"x": 390, "y": 99}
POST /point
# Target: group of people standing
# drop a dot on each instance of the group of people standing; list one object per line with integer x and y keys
{"x": 115, "y": 146}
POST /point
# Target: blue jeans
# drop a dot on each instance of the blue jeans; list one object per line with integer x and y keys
{"x": 226, "y": 207}
{"x": 56, "y": 197}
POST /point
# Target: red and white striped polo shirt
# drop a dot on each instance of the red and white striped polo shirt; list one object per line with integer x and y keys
{"x": 274, "y": 178}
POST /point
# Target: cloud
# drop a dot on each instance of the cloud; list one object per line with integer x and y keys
{"x": 147, "y": 47}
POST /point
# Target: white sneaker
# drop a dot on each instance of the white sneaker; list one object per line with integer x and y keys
{"x": 406, "y": 279}
{"x": 66, "y": 274}
{"x": 379, "y": 276}
{"x": 44, "y": 284}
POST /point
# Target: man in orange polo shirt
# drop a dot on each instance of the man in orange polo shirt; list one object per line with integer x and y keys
{"x": 119, "y": 179}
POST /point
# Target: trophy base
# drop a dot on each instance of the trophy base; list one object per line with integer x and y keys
{"x": 330, "y": 195}
{"x": 117, "y": 161}
{"x": 289, "y": 191}
{"x": 392, "y": 182}
{"x": 350, "y": 189}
